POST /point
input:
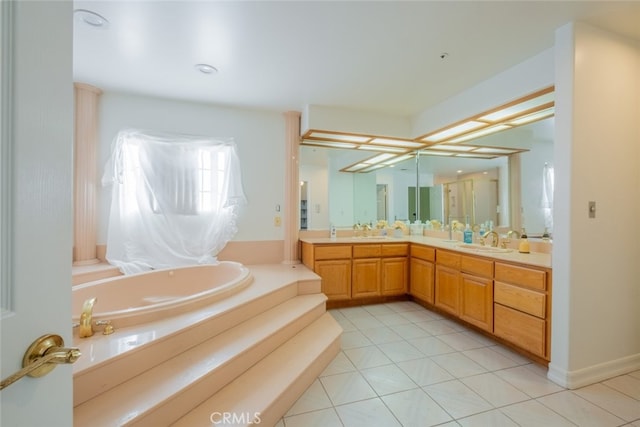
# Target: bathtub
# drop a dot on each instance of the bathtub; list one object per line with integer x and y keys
{"x": 155, "y": 295}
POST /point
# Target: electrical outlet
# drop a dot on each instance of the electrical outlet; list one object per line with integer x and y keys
{"x": 277, "y": 221}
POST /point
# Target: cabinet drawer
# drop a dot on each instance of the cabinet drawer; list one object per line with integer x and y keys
{"x": 522, "y": 299}
{"x": 478, "y": 266}
{"x": 366, "y": 251}
{"x": 395, "y": 249}
{"x": 523, "y": 330}
{"x": 450, "y": 259}
{"x": 423, "y": 252}
{"x": 521, "y": 276}
{"x": 332, "y": 252}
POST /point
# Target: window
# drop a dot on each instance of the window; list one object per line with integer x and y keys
{"x": 174, "y": 201}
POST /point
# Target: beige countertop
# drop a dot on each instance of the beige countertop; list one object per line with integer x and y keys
{"x": 537, "y": 259}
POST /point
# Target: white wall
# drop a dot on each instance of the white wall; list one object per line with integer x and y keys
{"x": 529, "y": 76}
{"x": 259, "y": 135}
{"x": 596, "y": 296}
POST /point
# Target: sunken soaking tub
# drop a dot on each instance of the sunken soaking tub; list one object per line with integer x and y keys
{"x": 146, "y": 297}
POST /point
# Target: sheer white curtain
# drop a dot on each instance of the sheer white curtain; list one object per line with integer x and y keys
{"x": 547, "y": 196}
{"x": 174, "y": 199}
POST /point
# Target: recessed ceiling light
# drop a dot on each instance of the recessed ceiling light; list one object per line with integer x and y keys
{"x": 91, "y": 18}
{"x": 206, "y": 68}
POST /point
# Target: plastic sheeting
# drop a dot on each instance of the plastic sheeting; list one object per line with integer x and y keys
{"x": 174, "y": 199}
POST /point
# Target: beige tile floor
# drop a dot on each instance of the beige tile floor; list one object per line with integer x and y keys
{"x": 402, "y": 365}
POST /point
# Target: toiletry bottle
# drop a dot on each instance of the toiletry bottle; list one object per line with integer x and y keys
{"x": 545, "y": 235}
{"x": 523, "y": 247}
{"x": 468, "y": 234}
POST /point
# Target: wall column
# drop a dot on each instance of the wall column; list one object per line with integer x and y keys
{"x": 84, "y": 181}
{"x": 292, "y": 187}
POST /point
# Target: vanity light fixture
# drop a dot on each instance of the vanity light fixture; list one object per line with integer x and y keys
{"x": 206, "y": 68}
{"x": 477, "y": 134}
{"x": 536, "y": 106}
{"x": 396, "y": 143}
{"x": 453, "y": 131}
{"x": 443, "y": 142}
{"x": 91, "y": 18}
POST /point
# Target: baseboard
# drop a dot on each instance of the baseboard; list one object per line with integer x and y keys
{"x": 593, "y": 374}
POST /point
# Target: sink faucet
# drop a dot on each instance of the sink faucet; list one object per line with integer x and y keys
{"x": 86, "y": 328}
{"x": 507, "y": 239}
{"x": 494, "y": 238}
{"x": 512, "y": 232}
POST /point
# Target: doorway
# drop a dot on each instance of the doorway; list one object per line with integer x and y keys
{"x": 425, "y": 204}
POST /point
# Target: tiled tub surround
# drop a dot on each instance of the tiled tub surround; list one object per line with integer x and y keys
{"x": 274, "y": 332}
{"x": 403, "y": 365}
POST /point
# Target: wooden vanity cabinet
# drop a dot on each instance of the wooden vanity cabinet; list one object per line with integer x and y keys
{"x": 333, "y": 264}
{"x": 359, "y": 270}
{"x": 476, "y": 292}
{"x": 521, "y": 307}
{"x": 379, "y": 270}
{"x": 421, "y": 272}
{"x": 447, "y": 281}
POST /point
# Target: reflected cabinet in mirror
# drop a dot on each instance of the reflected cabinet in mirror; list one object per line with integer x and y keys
{"x": 506, "y": 192}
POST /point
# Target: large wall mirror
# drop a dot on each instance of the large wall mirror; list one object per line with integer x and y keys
{"x": 478, "y": 189}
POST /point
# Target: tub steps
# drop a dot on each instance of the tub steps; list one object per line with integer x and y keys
{"x": 270, "y": 387}
{"x": 279, "y": 348}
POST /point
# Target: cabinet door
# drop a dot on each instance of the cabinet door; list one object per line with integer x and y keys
{"x": 336, "y": 278}
{"x": 394, "y": 276}
{"x": 422, "y": 275}
{"x": 447, "y": 289}
{"x": 476, "y": 301}
{"x": 366, "y": 278}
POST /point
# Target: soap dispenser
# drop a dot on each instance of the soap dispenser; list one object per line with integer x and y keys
{"x": 523, "y": 247}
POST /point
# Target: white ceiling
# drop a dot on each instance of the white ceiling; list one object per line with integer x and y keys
{"x": 368, "y": 55}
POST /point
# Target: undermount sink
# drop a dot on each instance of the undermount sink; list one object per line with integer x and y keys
{"x": 481, "y": 248}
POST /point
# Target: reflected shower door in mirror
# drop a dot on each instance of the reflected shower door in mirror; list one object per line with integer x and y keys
{"x": 475, "y": 201}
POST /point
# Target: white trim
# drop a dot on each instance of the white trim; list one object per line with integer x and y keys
{"x": 595, "y": 373}
{"x": 6, "y": 138}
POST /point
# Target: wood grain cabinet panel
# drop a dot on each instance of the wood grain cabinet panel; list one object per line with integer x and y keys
{"x": 421, "y": 276}
{"x": 332, "y": 252}
{"x": 522, "y": 276}
{"x": 336, "y": 278}
{"x": 394, "y": 276}
{"x": 476, "y": 301}
{"x": 523, "y": 330}
{"x": 476, "y": 266}
{"x": 423, "y": 252}
{"x": 395, "y": 250}
{"x": 366, "y": 277}
{"x": 447, "y": 289}
{"x": 522, "y": 299}
{"x": 367, "y": 251}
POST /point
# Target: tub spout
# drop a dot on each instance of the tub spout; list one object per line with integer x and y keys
{"x": 86, "y": 318}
